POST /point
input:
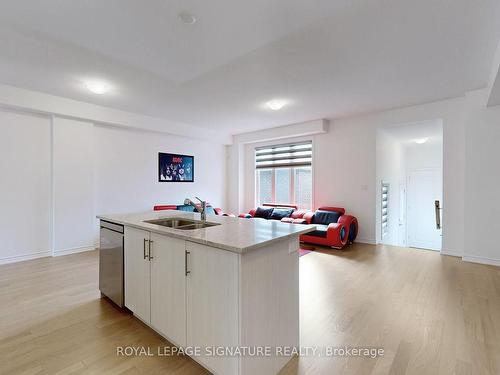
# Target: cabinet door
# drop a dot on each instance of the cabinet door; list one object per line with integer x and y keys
{"x": 137, "y": 273}
{"x": 212, "y": 303}
{"x": 168, "y": 288}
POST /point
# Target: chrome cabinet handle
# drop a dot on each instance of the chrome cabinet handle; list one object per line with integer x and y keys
{"x": 150, "y": 249}
{"x": 144, "y": 248}
{"x": 186, "y": 262}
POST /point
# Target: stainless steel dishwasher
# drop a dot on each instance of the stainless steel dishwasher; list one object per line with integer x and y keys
{"x": 111, "y": 262}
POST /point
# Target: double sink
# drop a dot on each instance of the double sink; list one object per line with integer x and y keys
{"x": 182, "y": 224}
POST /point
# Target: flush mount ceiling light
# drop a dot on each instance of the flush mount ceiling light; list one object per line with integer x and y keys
{"x": 420, "y": 141}
{"x": 276, "y": 104}
{"x": 187, "y": 18}
{"x": 98, "y": 87}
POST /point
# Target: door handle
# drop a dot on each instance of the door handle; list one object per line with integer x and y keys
{"x": 144, "y": 249}
{"x": 150, "y": 250}
{"x": 437, "y": 208}
{"x": 186, "y": 262}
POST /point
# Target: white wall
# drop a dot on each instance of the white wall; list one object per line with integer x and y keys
{"x": 345, "y": 166}
{"x": 25, "y": 186}
{"x": 73, "y": 184}
{"x": 482, "y": 186}
{"x": 423, "y": 156}
{"x": 127, "y": 170}
{"x": 471, "y": 177}
{"x": 391, "y": 168}
{"x": 59, "y": 173}
{"x": 333, "y": 183}
{"x": 396, "y": 159}
{"x": 344, "y": 173}
{"x": 451, "y": 112}
{"x": 35, "y": 101}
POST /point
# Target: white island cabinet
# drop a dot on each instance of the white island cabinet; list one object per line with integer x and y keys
{"x": 155, "y": 285}
{"x": 226, "y": 290}
{"x": 212, "y": 296}
{"x": 138, "y": 270}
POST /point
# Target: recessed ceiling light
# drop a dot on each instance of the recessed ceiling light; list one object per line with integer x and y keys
{"x": 98, "y": 87}
{"x": 276, "y": 104}
{"x": 420, "y": 141}
{"x": 187, "y": 18}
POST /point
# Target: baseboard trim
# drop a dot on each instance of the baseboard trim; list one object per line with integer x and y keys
{"x": 74, "y": 250}
{"x": 23, "y": 257}
{"x": 481, "y": 260}
{"x": 365, "y": 241}
{"x": 451, "y": 253}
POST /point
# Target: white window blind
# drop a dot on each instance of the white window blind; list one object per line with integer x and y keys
{"x": 289, "y": 155}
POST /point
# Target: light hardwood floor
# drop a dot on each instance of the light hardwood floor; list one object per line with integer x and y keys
{"x": 431, "y": 314}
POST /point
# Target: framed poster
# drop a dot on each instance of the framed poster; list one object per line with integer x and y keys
{"x": 175, "y": 168}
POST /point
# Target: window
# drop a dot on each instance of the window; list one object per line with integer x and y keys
{"x": 303, "y": 187}
{"x": 284, "y": 174}
{"x": 265, "y": 178}
{"x": 282, "y": 185}
{"x": 384, "y": 204}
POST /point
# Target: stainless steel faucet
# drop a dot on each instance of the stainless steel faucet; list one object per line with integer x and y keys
{"x": 203, "y": 211}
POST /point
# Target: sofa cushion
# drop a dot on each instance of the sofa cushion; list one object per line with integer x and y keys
{"x": 298, "y": 214}
{"x": 325, "y": 217}
{"x": 264, "y": 213}
{"x": 280, "y": 213}
{"x": 319, "y": 232}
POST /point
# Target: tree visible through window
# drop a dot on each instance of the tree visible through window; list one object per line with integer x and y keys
{"x": 284, "y": 174}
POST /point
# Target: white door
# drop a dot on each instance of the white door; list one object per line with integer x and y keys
{"x": 212, "y": 304}
{"x": 424, "y": 188}
{"x": 137, "y": 273}
{"x": 168, "y": 287}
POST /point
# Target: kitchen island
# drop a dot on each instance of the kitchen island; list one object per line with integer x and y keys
{"x": 228, "y": 292}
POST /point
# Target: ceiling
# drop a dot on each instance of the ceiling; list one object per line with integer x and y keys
{"x": 329, "y": 59}
{"x": 431, "y": 131}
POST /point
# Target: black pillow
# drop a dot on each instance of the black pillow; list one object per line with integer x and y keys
{"x": 326, "y": 217}
{"x": 280, "y": 213}
{"x": 263, "y": 212}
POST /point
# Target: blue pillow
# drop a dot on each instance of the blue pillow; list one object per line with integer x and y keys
{"x": 280, "y": 213}
{"x": 325, "y": 217}
{"x": 210, "y": 210}
{"x": 188, "y": 208}
{"x": 185, "y": 207}
{"x": 263, "y": 212}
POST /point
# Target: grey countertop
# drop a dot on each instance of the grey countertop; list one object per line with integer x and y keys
{"x": 234, "y": 234}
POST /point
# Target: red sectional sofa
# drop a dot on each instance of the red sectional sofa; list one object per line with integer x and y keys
{"x": 333, "y": 227}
